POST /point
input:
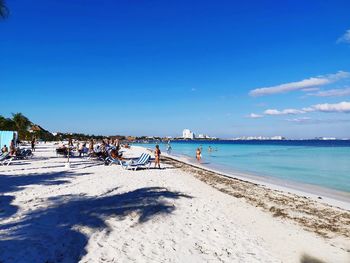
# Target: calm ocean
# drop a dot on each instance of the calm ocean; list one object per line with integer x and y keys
{"x": 324, "y": 164}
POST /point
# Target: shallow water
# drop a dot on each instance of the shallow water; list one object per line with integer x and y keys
{"x": 318, "y": 163}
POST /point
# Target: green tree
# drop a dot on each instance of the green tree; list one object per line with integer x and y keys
{"x": 6, "y": 124}
{"x": 3, "y": 9}
{"x": 22, "y": 124}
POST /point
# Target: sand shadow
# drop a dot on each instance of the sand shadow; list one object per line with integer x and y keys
{"x": 161, "y": 168}
{"x": 6, "y": 207}
{"x": 52, "y": 234}
{"x": 13, "y": 183}
{"x": 309, "y": 259}
{"x": 17, "y": 163}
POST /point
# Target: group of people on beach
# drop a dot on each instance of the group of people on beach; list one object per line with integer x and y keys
{"x": 102, "y": 150}
{"x": 94, "y": 149}
{"x": 12, "y": 151}
{"x": 109, "y": 147}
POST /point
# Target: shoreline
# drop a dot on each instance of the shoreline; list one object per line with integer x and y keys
{"x": 328, "y": 196}
{"x": 315, "y": 215}
{"x": 325, "y": 217}
{"x": 331, "y": 197}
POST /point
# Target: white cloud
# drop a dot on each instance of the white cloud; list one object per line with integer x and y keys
{"x": 337, "y": 107}
{"x": 341, "y": 107}
{"x": 283, "y": 112}
{"x": 300, "y": 120}
{"x": 255, "y": 116}
{"x": 308, "y": 109}
{"x": 311, "y": 89}
{"x": 345, "y": 38}
{"x": 332, "y": 93}
{"x": 304, "y": 85}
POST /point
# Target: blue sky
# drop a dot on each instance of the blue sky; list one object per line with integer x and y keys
{"x": 155, "y": 67}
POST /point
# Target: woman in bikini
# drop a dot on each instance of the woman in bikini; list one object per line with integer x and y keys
{"x": 157, "y": 156}
{"x": 198, "y": 154}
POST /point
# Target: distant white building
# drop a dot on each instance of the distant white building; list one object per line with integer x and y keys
{"x": 277, "y": 138}
{"x": 204, "y": 136}
{"x": 187, "y": 134}
{"x": 326, "y": 138}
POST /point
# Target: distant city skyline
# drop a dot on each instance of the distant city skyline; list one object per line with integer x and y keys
{"x": 262, "y": 68}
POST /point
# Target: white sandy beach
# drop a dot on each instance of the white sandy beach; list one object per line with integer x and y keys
{"x": 96, "y": 213}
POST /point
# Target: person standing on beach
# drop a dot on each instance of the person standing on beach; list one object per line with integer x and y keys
{"x": 12, "y": 148}
{"x": 198, "y": 154}
{"x": 117, "y": 145}
{"x": 91, "y": 146}
{"x": 33, "y": 145}
{"x": 157, "y": 156}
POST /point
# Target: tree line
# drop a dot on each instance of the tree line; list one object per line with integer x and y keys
{"x": 27, "y": 130}
{"x": 18, "y": 122}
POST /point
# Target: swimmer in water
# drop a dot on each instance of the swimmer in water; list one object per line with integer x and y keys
{"x": 198, "y": 154}
{"x": 168, "y": 148}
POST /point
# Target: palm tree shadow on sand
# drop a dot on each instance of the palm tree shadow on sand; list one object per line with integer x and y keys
{"x": 11, "y": 183}
{"x": 51, "y": 235}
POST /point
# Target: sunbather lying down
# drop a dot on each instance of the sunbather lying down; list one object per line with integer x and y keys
{"x": 115, "y": 154}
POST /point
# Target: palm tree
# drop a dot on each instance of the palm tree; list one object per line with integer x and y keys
{"x": 6, "y": 124}
{"x": 22, "y": 124}
{"x": 3, "y": 9}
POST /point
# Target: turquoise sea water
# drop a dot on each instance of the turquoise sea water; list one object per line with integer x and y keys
{"x": 315, "y": 163}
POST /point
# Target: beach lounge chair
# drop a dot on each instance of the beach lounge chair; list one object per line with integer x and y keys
{"x": 143, "y": 161}
{"x": 5, "y": 159}
{"x": 23, "y": 154}
{"x": 63, "y": 152}
{"x": 110, "y": 160}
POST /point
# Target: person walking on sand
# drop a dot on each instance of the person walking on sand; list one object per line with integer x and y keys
{"x": 198, "y": 154}
{"x": 70, "y": 142}
{"x": 157, "y": 156}
{"x": 33, "y": 145}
